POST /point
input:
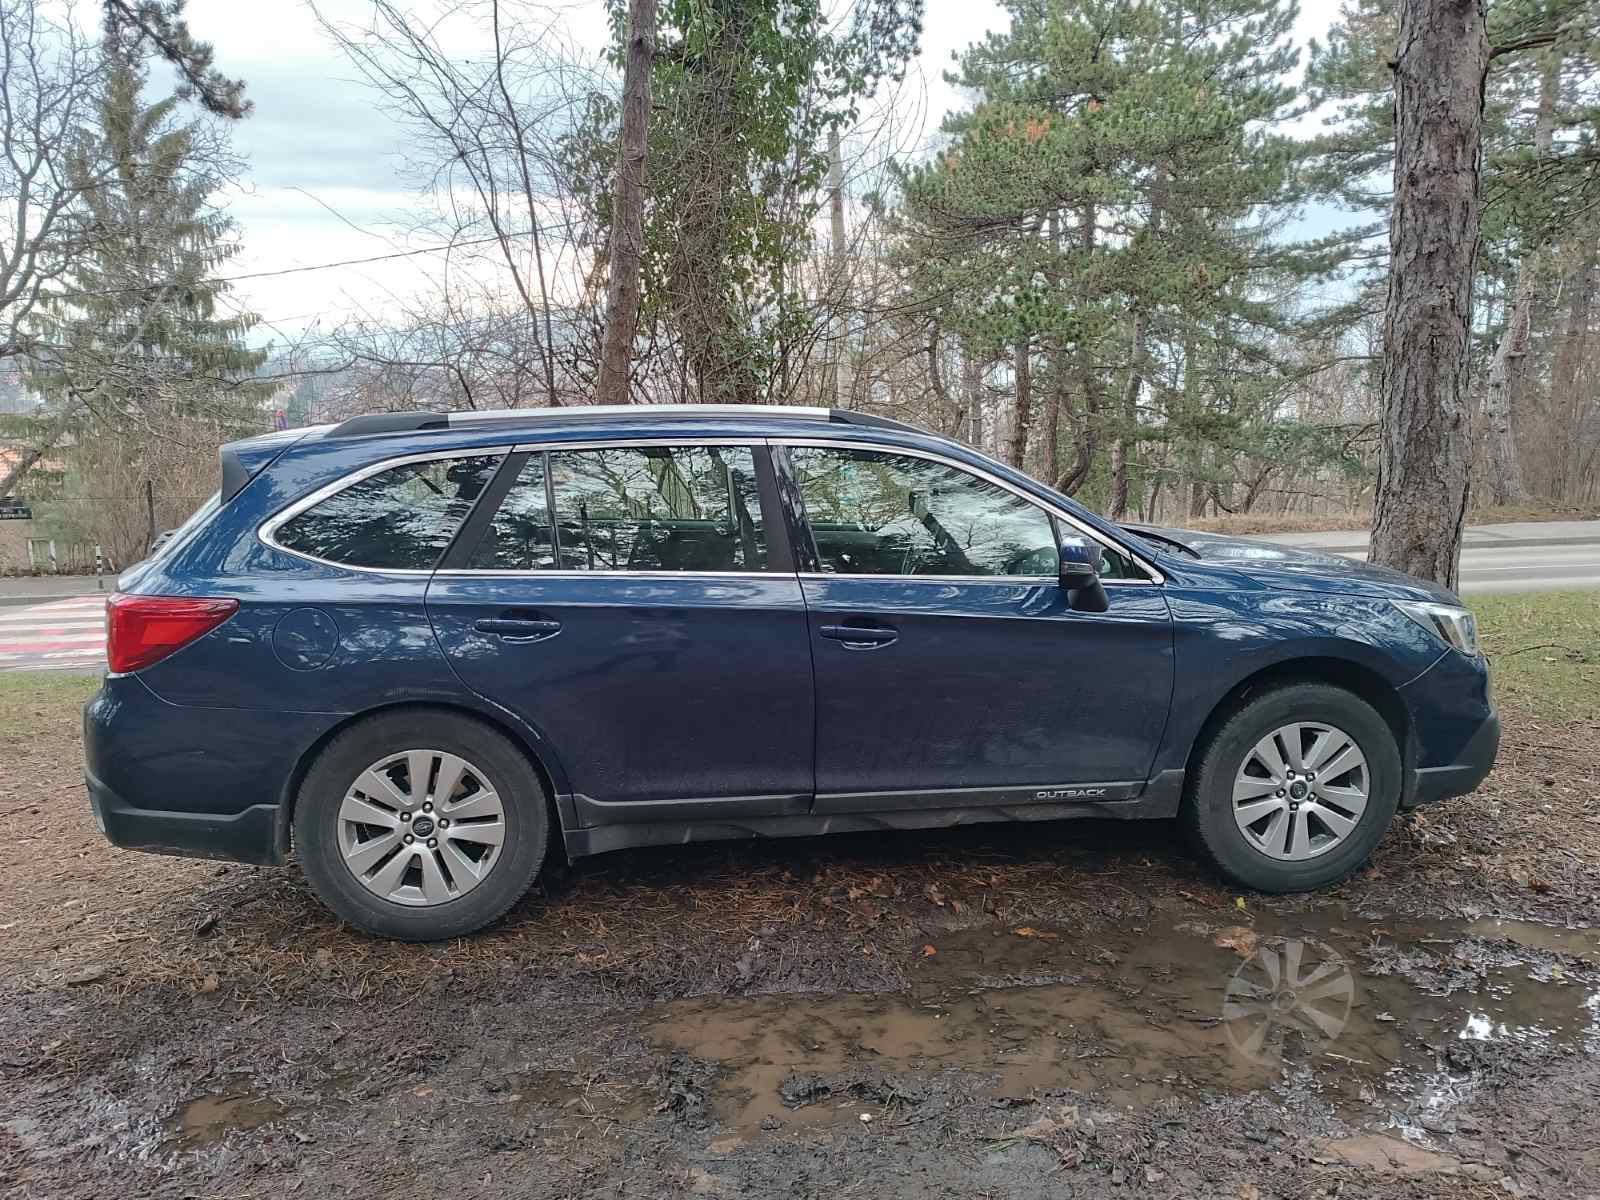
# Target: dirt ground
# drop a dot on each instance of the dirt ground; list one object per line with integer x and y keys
{"x": 1076, "y": 1010}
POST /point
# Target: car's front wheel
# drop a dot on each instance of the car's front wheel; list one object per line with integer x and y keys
{"x": 1295, "y": 789}
{"x": 421, "y": 825}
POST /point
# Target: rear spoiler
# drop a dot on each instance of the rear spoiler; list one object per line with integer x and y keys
{"x": 243, "y": 460}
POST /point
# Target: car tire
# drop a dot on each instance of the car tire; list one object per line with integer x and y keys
{"x": 1233, "y": 772}
{"x": 352, "y": 865}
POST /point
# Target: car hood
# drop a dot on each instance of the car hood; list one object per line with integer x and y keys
{"x": 1300, "y": 569}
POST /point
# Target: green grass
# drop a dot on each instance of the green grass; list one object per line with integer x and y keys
{"x": 1544, "y": 651}
{"x": 25, "y": 696}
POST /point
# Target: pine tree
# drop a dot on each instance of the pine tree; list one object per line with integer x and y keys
{"x": 138, "y": 326}
{"x": 1102, "y": 207}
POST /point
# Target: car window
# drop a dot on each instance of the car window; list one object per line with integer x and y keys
{"x": 631, "y": 508}
{"x": 1114, "y": 564}
{"x": 399, "y": 519}
{"x": 520, "y": 537}
{"x": 877, "y": 513}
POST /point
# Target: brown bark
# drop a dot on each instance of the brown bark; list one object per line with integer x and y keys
{"x": 1566, "y": 404}
{"x": 1022, "y": 363}
{"x": 623, "y": 289}
{"x": 1423, "y": 462}
{"x": 972, "y": 395}
{"x": 1127, "y": 422}
{"x": 1088, "y": 433}
{"x": 1503, "y": 474}
{"x": 24, "y": 463}
{"x": 1055, "y": 398}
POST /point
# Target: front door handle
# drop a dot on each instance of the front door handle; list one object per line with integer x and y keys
{"x": 861, "y": 637}
{"x": 518, "y": 629}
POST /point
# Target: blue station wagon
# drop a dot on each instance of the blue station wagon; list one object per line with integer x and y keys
{"x": 422, "y": 651}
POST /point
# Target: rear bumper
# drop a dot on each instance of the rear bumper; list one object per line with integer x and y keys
{"x": 250, "y": 836}
{"x": 1472, "y": 763}
{"x": 207, "y": 783}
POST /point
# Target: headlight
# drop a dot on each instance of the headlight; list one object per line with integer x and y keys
{"x": 1453, "y": 625}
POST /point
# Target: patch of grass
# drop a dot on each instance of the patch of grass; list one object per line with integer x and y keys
{"x": 26, "y": 696}
{"x": 1544, "y": 650}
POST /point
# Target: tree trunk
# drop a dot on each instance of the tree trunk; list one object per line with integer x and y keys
{"x": 1055, "y": 398}
{"x": 623, "y": 289}
{"x": 25, "y": 462}
{"x": 1503, "y": 463}
{"x": 1562, "y": 449}
{"x": 1423, "y": 463}
{"x": 1193, "y": 450}
{"x": 1127, "y": 423}
{"x": 836, "y": 386}
{"x": 972, "y": 395}
{"x": 1022, "y": 363}
{"x": 1088, "y": 432}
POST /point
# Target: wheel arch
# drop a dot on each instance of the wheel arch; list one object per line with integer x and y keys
{"x": 508, "y": 729}
{"x": 1353, "y": 677}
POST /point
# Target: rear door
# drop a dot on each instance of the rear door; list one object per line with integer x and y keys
{"x": 637, "y": 605}
{"x": 950, "y": 667}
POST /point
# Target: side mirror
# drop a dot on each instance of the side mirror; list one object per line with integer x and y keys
{"x": 1080, "y": 575}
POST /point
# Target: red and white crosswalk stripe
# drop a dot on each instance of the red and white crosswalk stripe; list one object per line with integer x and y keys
{"x": 60, "y": 633}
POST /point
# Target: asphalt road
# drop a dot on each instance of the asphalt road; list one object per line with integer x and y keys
{"x": 1533, "y": 556}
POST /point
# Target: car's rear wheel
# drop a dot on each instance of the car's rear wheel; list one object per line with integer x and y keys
{"x": 421, "y": 825}
{"x": 1295, "y": 789}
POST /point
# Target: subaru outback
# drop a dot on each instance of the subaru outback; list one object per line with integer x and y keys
{"x": 425, "y": 652}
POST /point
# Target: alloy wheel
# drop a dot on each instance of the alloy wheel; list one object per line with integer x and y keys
{"x": 1301, "y": 791}
{"x": 421, "y": 827}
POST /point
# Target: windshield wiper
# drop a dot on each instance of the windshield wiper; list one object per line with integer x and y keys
{"x": 1150, "y": 535}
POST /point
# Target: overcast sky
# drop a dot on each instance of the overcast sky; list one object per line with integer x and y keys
{"x": 325, "y": 179}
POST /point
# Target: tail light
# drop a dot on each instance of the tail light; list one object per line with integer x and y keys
{"x": 141, "y": 630}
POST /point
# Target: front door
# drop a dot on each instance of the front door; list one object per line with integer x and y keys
{"x": 950, "y": 668}
{"x": 637, "y": 606}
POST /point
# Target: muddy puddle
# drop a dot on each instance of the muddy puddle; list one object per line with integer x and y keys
{"x": 207, "y": 1119}
{"x": 1392, "y": 1020}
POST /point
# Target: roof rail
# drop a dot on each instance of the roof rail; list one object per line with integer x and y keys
{"x": 372, "y": 424}
{"x": 369, "y": 424}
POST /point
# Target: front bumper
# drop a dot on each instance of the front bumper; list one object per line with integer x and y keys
{"x": 1472, "y": 763}
{"x": 250, "y": 836}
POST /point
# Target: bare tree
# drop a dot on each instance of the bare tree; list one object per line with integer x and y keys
{"x": 487, "y": 134}
{"x": 1423, "y": 465}
{"x": 50, "y": 78}
{"x": 624, "y": 290}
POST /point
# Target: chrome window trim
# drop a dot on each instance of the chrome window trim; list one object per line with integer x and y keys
{"x": 267, "y": 531}
{"x": 268, "y": 528}
{"x": 1155, "y": 576}
{"x": 564, "y": 573}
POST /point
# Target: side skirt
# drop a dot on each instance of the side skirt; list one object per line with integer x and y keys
{"x": 753, "y": 817}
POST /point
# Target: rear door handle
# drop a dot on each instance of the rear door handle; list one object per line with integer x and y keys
{"x": 861, "y": 637}
{"x": 518, "y": 629}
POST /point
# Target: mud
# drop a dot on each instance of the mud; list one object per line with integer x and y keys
{"x": 1366, "y": 1016}
{"x": 1071, "y": 1011}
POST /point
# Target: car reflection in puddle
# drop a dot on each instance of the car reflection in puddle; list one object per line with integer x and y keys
{"x": 1383, "y": 1019}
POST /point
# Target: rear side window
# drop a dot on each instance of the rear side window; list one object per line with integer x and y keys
{"x": 399, "y": 519}
{"x": 630, "y": 508}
